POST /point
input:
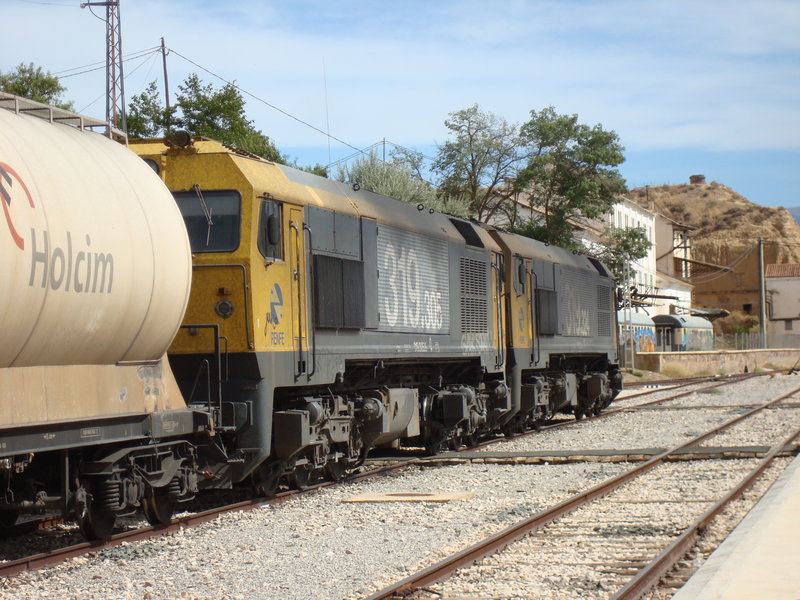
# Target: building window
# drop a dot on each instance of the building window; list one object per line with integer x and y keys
{"x": 747, "y": 308}
{"x": 788, "y": 324}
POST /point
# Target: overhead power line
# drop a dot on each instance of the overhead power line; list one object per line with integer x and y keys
{"x": 96, "y": 66}
{"x": 265, "y": 102}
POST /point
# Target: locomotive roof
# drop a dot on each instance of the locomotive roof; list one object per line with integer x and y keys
{"x": 345, "y": 198}
{"x": 535, "y": 249}
{"x": 312, "y": 190}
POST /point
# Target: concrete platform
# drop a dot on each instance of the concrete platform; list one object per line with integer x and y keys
{"x": 761, "y": 557}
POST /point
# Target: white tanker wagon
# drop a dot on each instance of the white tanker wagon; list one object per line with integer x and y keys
{"x": 95, "y": 272}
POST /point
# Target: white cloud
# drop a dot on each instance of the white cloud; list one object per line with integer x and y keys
{"x": 714, "y": 75}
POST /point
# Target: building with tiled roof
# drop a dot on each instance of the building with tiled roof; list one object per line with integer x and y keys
{"x": 783, "y": 298}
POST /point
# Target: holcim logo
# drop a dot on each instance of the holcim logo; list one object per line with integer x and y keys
{"x": 69, "y": 269}
{"x": 6, "y": 174}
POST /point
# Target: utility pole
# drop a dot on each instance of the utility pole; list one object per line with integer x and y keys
{"x": 762, "y": 296}
{"x": 629, "y": 314}
{"x": 115, "y": 85}
{"x": 167, "y": 119}
{"x": 166, "y": 80}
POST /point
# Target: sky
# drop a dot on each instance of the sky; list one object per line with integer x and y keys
{"x": 691, "y": 87}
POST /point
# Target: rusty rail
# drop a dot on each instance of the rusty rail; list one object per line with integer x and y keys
{"x": 650, "y": 575}
{"x": 499, "y": 540}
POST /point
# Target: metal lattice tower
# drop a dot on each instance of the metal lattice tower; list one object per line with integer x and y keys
{"x": 115, "y": 86}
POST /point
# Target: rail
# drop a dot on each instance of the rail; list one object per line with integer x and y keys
{"x": 515, "y": 532}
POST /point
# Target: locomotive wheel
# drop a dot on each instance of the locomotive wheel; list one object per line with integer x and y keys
{"x": 300, "y": 478}
{"x": 96, "y": 524}
{"x": 158, "y": 506}
{"x": 435, "y": 446}
{"x": 8, "y": 516}
{"x": 265, "y": 478}
{"x": 336, "y": 470}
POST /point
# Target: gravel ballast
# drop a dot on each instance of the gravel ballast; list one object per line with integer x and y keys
{"x": 316, "y": 546}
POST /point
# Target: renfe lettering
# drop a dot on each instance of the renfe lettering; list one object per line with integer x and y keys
{"x": 82, "y": 271}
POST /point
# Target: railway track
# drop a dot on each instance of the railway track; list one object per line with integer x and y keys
{"x": 630, "y": 550}
{"x": 58, "y": 555}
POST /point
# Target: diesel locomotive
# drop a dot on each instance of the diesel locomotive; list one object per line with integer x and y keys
{"x": 321, "y": 320}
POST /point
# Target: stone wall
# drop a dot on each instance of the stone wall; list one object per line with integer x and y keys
{"x": 686, "y": 364}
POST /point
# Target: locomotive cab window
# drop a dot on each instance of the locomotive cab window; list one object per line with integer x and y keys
{"x": 212, "y": 218}
{"x": 269, "y": 231}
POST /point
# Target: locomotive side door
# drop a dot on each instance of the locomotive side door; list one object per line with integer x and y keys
{"x": 299, "y": 292}
{"x": 282, "y": 284}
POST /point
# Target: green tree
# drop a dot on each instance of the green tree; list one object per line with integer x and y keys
{"x": 201, "y": 110}
{"x": 31, "y": 81}
{"x": 477, "y": 167}
{"x": 620, "y": 247}
{"x": 392, "y": 178}
{"x": 315, "y": 169}
{"x": 219, "y": 114}
{"x": 146, "y": 116}
{"x": 568, "y": 173}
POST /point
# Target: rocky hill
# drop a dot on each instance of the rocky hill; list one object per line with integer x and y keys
{"x": 725, "y": 223}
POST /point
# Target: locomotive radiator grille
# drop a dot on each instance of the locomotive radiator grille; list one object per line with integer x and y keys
{"x": 474, "y": 291}
{"x": 578, "y": 302}
{"x": 604, "y": 311}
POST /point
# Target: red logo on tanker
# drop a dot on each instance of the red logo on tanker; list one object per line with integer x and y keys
{"x": 8, "y": 177}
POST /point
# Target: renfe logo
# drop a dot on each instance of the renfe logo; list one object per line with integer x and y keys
{"x": 5, "y": 179}
{"x": 80, "y": 271}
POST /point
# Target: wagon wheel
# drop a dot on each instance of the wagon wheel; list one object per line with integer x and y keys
{"x": 96, "y": 524}
{"x": 8, "y": 516}
{"x": 158, "y": 506}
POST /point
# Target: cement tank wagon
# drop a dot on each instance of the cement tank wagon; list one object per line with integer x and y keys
{"x": 95, "y": 273}
{"x": 95, "y": 265}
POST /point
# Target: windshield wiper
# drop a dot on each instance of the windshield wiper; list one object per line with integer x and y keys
{"x": 206, "y": 212}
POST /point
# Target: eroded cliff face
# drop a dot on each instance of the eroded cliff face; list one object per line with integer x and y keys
{"x": 726, "y": 225}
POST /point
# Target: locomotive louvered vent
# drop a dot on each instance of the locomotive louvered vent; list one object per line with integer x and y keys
{"x": 578, "y": 304}
{"x": 547, "y": 312}
{"x": 604, "y": 324}
{"x": 604, "y": 311}
{"x": 473, "y": 297}
{"x": 603, "y": 298}
{"x": 338, "y": 293}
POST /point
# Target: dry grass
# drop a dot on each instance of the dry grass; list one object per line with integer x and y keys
{"x": 722, "y": 218}
{"x": 675, "y": 371}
